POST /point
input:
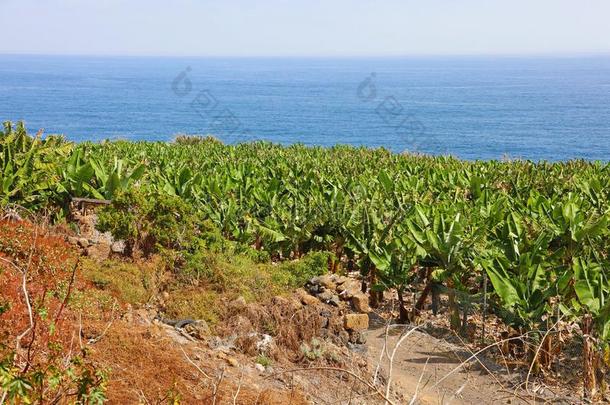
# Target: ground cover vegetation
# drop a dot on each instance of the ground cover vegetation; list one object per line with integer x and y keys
{"x": 537, "y": 232}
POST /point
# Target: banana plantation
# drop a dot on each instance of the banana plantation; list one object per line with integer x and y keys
{"x": 538, "y": 233}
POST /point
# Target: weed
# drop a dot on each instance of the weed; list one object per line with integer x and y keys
{"x": 263, "y": 360}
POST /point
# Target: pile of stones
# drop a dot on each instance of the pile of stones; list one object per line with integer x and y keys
{"x": 344, "y": 294}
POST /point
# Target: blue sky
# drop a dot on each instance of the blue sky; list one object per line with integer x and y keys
{"x": 304, "y": 27}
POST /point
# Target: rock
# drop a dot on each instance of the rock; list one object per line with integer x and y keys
{"x": 357, "y": 338}
{"x": 286, "y": 303}
{"x": 327, "y": 282}
{"x": 233, "y": 362}
{"x": 264, "y": 344}
{"x": 341, "y": 280}
{"x": 313, "y": 289}
{"x": 83, "y": 242}
{"x": 335, "y": 300}
{"x": 307, "y": 299}
{"x": 238, "y": 303}
{"x": 259, "y": 367}
{"x": 348, "y": 289}
{"x": 128, "y": 315}
{"x": 325, "y": 296}
{"x": 142, "y": 317}
{"x": 356, "y": 322}
{"x": 198, "y": 329}
{"x": 118, "y": 247}
{"x": 343, "y": 337}
{"x": 360, "y": 302}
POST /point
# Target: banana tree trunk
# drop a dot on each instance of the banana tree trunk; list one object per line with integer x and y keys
{"x": 419, "y": 305}
{"x": 376, "y": 296}
{"x": 589, "y": 381}
{"x": 455, "y": 321}
{"x": 403, "y": 313}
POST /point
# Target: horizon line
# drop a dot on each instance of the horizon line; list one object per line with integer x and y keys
{"x": 549, "y": 54}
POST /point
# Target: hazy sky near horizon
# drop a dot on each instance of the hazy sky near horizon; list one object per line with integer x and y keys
{"x": 304, "y": 27}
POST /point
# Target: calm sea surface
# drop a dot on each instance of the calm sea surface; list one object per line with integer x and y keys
{"x": 474, "y": 108}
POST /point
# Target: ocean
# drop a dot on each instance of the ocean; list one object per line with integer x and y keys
{"x": 539, "y": 108}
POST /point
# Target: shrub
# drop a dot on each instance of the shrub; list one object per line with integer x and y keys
{"x": 185, "y": 139}
{"x": 148, "y": 223}
{"x": 311, "y": 265}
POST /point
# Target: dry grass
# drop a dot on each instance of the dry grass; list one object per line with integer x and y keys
{"x": 285, "y": 319}
{"x": 148, "y": 366}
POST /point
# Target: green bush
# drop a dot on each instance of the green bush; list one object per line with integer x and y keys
{"x": 311, "y": 265}
{"x": 149, "y": 222}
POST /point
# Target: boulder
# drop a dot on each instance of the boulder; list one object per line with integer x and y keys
{"x": 118, "y": 247}
{"x": 349, "y": 288}
{"x": 341, "y": 280}
{"x": 356, "y": 322}
{"x": 198, "y": 329}
{"x": 264, "y": 344}
{"x": 325, "y": 296}
{"x": 238, "y": 303}
{"x": 306, "y": 298}
{"x": 357, "y": 338}
{"x": 343, "y": 337}
{"x": 327, "y": 282}
{"x": 335, "y": 301}
{"x": 98, "y": 251}
{"x": 360, "y": 302}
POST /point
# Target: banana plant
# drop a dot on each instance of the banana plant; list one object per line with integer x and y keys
{"x": 110, "y": 181}
{"x": 590, "y": 306}
{"x": 30, "y": 166}
{"x": 77, "y": 176}
{"x": 523, "y": 277}
{"x": 444, "y": 239}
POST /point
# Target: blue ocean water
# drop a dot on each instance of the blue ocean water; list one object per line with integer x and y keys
{"x": 472, "y": 107}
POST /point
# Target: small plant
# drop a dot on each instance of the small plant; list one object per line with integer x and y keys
{"x": 312, "y": 351}
{"x": 263, "y": 360}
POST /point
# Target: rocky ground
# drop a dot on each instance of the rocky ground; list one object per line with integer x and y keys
{"x": 320, "y": 344}
{"x": 350, "y": 356}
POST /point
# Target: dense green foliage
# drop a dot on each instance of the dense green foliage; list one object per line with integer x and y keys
{"x": 539, "y": 231}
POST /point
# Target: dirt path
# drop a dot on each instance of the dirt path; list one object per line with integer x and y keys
{"x": 427, "y": 365}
